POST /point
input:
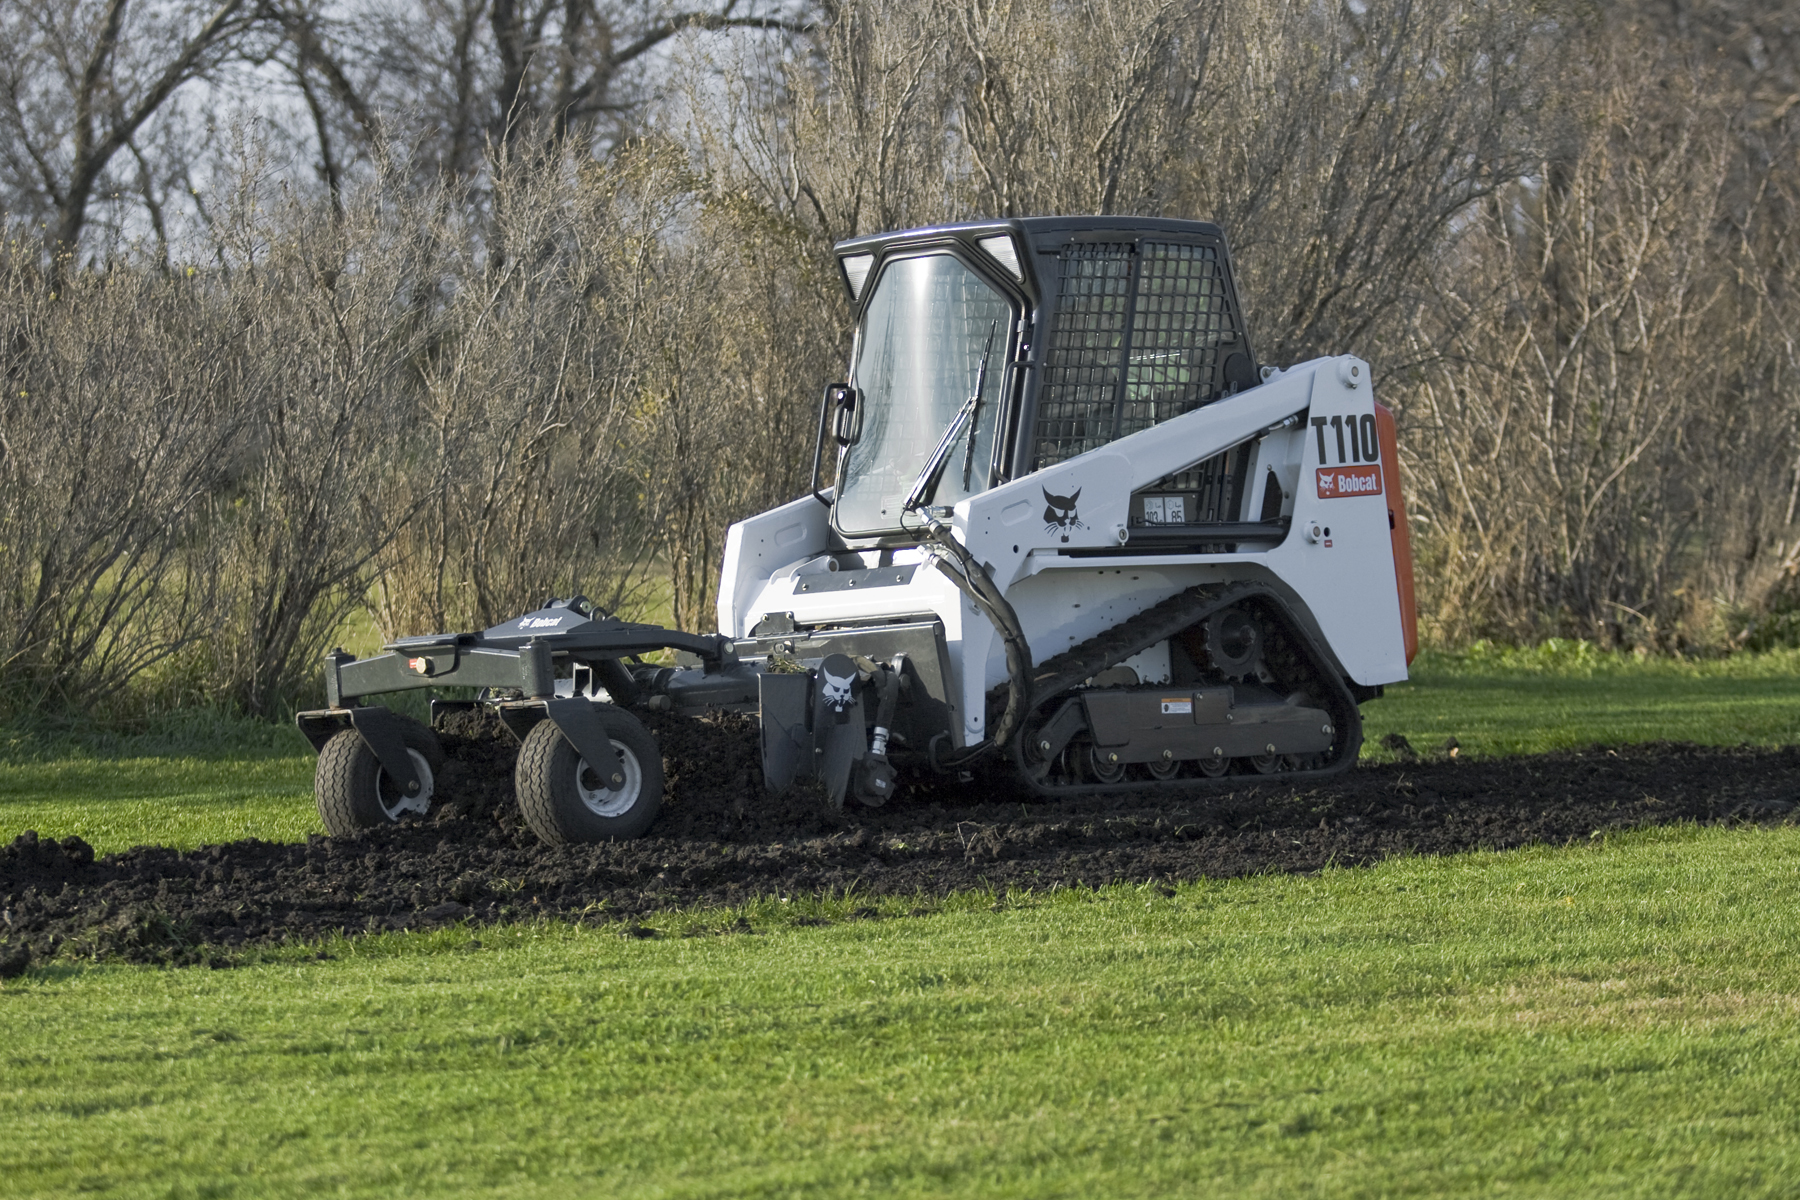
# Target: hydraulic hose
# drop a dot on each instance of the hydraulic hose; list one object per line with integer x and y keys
{"x": 972, "y": 579}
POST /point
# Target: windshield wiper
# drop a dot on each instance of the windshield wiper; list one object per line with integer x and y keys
{"x": 925, "y": 486}
{"x": 975, "y": 399}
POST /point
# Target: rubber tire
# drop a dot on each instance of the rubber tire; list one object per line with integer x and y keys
{"x": 347, "y": 781}
{"x": 549, "y": 800}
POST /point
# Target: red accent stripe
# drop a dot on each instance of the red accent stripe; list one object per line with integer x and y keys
{"x": 1403, "y": 560}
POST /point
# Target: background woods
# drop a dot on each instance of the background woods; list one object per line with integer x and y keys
{"x": 422, "y": 310}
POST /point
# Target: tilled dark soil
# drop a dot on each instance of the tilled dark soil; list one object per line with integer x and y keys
{"x": 721, "y": 841}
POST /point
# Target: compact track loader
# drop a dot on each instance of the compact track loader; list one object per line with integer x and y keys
{"x": 1073, "y": 532}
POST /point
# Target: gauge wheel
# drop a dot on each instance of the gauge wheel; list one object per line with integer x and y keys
{"x": 1214, "y": 767}
{"x": 1167, "y": 768}
{"x": 565, "y": 800}
{"x": 354, "y": 792}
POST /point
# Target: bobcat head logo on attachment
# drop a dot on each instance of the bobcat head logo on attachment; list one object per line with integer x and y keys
{"x": 837, "y": 679}
{"x": 1059, "y": 513}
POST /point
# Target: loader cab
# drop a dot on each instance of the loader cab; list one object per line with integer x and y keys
{"x": 1065, "y": 333}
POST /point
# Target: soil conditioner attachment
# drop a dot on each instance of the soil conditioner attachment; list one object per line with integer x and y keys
{"x": 1072, "y": 532}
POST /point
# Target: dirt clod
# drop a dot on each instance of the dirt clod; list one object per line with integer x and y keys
{"x": 720, "y": 840}
{"x": 1397, "y": 744}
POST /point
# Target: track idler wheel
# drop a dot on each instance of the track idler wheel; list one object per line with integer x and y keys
{"x": 563, "y": 800}
{"x": 354, "y": 792}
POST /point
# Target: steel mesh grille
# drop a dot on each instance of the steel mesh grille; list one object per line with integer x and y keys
{"x": 1177, "y": 322}
{"x": 1084, "y": 359}
{"x": 1134, "y": 342}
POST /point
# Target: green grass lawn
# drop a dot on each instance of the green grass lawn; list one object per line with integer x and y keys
{"x": 187, "y": 779}
{"x": 1562, "y": 695}
{"x": 1618, "y": 1020}
{"x": 194, "y": 778}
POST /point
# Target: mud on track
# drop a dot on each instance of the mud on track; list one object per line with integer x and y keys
{"x": 721, "y": 841}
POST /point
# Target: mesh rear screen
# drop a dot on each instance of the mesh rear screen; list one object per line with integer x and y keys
{"x": 1136, "y": 339}
{"x": 1085, "y": 359}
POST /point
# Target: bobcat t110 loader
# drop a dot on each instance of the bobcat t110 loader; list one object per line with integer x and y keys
{"x": 1073, "y": 531}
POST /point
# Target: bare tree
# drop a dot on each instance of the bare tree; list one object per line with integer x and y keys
{"x": 1593, "y": 444}
{"x": 1106, "y": 92}
{"x": 115, "y": 429}
{"x": 82, "y": 79}
{"x": 464, "y": 73}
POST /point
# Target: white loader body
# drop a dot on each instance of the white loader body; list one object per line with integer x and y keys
{"x": 1336, "y": 565}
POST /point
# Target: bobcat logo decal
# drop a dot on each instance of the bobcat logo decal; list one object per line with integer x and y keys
{"x": 1060, "y": 514}
{"x": 837, "y": 681}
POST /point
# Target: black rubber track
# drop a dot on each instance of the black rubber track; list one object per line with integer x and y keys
{"x": 1293, "y": 654}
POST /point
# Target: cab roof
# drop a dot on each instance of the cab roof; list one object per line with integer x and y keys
{"x": 1030, "y": 235}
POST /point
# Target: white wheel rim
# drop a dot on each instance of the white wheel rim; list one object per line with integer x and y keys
{"x": 420, "y": 803}
{"x": 612, "y": 802}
